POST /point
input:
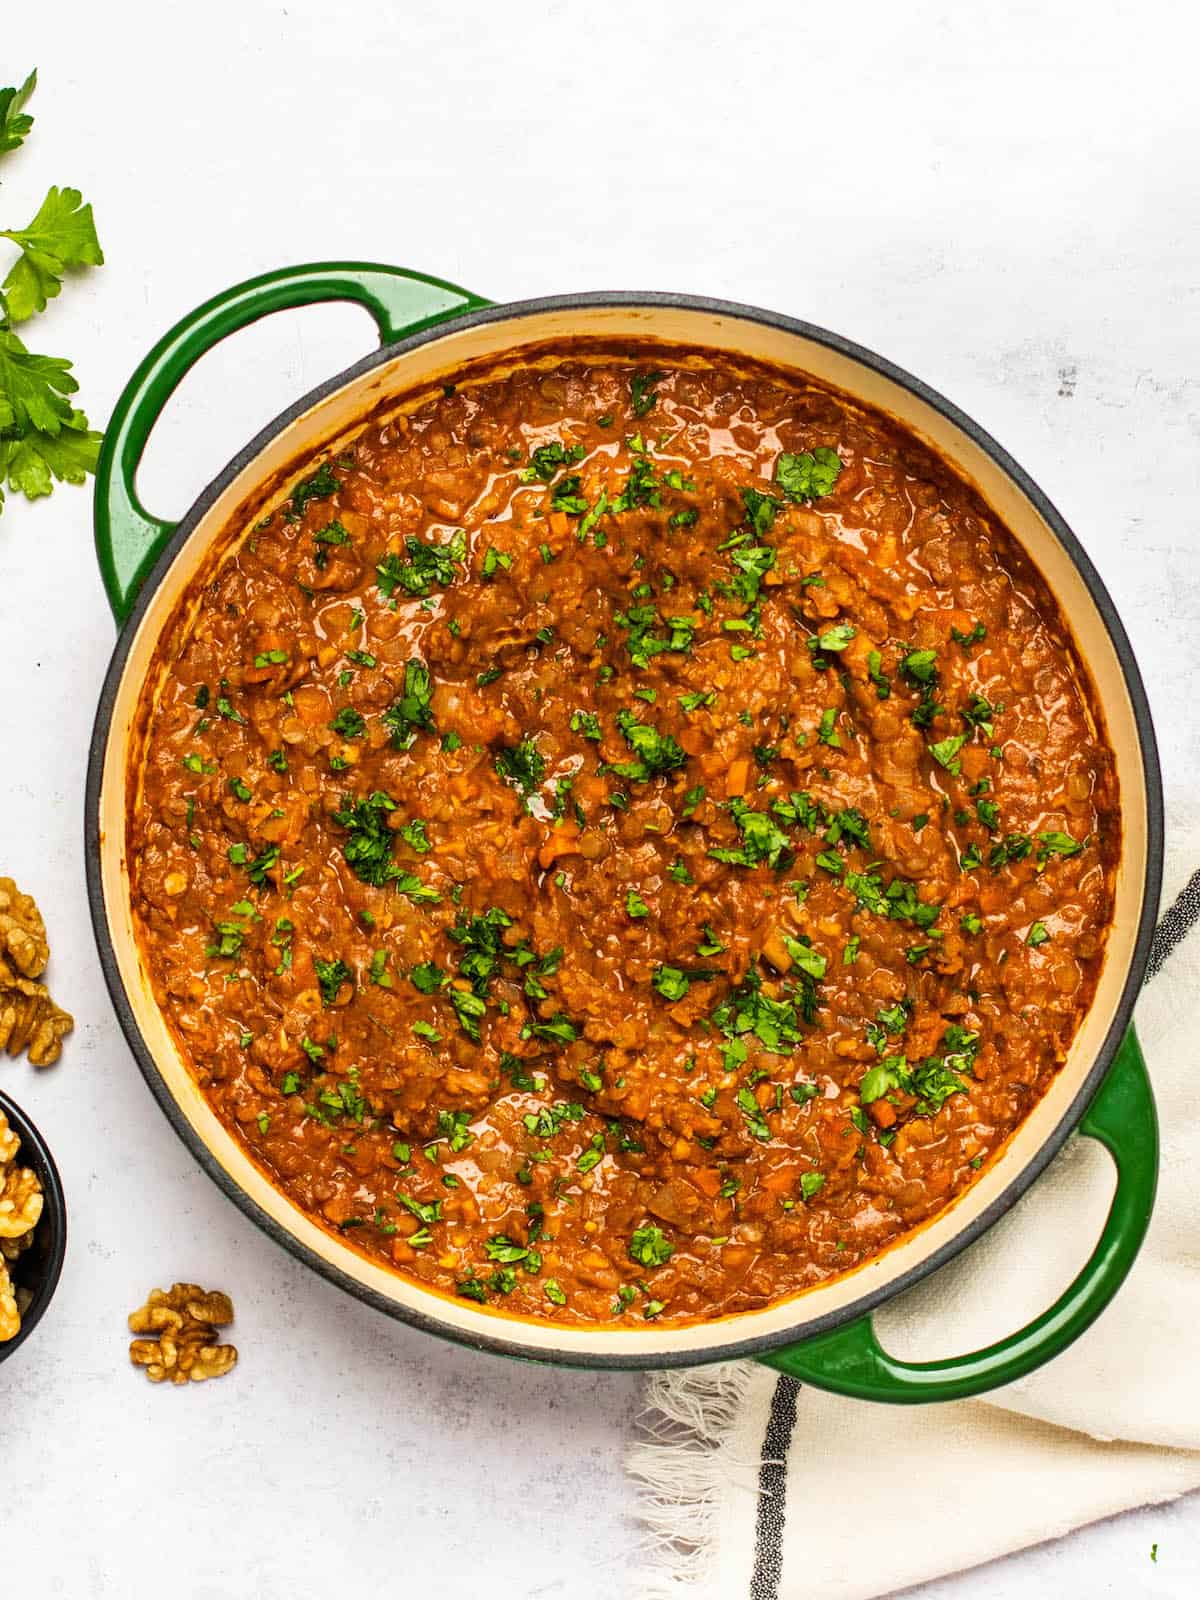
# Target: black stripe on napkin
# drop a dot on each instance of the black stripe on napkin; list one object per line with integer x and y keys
{"x": 1174, "y": 926}
{"x": 772, "y": 1496}
{"x": 1178, "y": 920}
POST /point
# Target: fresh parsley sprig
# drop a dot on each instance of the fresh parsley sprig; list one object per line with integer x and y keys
{"x": 43, "y": 436}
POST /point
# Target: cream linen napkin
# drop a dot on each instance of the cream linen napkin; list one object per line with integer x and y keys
{"x": 752, "y": 1485}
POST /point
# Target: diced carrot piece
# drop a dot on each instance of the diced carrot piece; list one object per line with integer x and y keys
{"x": 563, "y": 842}
{"x": 708, "y": 1180}
{"x": 737, "y": 777}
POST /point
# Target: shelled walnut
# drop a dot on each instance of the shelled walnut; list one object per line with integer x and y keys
{"x": 29, "y": 1018}
{"x": 182, "y": 1322}
{"x": 20, "y": 1213}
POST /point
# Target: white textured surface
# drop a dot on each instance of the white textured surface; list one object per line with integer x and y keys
{"x": 1003, "y": 199}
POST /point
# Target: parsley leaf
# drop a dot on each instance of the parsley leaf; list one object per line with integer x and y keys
{"x": 413, "y": 711}
{"x": 644, "y": 643}
{"x": 837, "y": 637}
{"x": 349, "y": 723}
{"x": 650, "y": 1247}
{"x": 42, "y": 436}
{"x": 774, "y": 1023}
{"x": 1057, "y": 844}
{"x": 62, "y": 235}
{"x": 657, "y": 753}
{"x": 319, "y": 485}
{"x": 331, "y": 975}
{"x": 945, "y": 752}
{"x": 569, "y": 498}
{"x": 368, "y": 849}
{"x": 522, "y": 766}
{"x": 761, "y": 840}
{"x": 641, "y": 389}
{"x": 545, "y": 461}
{"x": 811, "y": 475}
{"x": 427, "y": 564}
{"x": 15, "y": 123}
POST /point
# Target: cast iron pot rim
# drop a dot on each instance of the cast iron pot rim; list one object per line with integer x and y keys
{"x": 35, "y": 1152}
{"x": 510, "y": 1344}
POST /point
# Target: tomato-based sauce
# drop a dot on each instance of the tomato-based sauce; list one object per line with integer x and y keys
{"x": 624, "y": 840}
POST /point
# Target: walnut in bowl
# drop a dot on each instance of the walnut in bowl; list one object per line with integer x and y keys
{"x": 33, "y": 1227}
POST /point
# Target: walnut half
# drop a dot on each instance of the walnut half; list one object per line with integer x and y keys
{"x": 182, "y": 1321}
{"x": 29, "y": 1018}
{"x": 20, "y": 1212}
{"x": 22, "y": 931}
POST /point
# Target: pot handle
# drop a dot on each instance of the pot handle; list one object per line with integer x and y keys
{"x": 850, "y": 1361}
{"x": 128, "y": 539}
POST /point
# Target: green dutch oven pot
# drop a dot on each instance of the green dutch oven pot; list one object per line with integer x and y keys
{"x": 429, "y": 330}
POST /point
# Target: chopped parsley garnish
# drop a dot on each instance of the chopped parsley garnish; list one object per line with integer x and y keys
{"x": 558, "y": 1030}
{"x": 319, "y": 486}
{"x": 945, "y": 752}
{"x": 493, "y": 561}
{"x": 1057, "y": 844}
{"x": 810, "y": 475}
{"x": 641, "y": 391}
{"x": 260, "y": 867}
{"x": 427, "y": 565}
{"x": 697, "y": 698}
{"x": 569, "y": 498}
{"x": 428, "y": 977}
{"x": 331, "y": 975}
{"x": 368, "y": 849}
{"x": 930, "y": 1082}
{"x": 1038, "y": 934}
{"x": 1013, "y": 847}
{"x": 747, "y": 1103}
{"x": 521, "y": 766}
{"x": 753, "y": 562}
{"x": 546, "y": 461}
{"x": 671, "y": 982}
{"x": 657, "y": 753}
{"x": 641, "y": 486}
{"x": 332, "y": 533}
{"x": 349, "y": 723}
{"x": 762, "y": 840}
{"x": 919, "y": 670}
{"x": 644, "y": 642}
{"x": 883, "y": 686}
{"x": 412, "y": 713}
{"x": 899, "y": 900}
{"x": 988, "y": 813}
{"x": 761, "y": 510}
{"x": 650, "y": 1247}
{"x": 976, "y": 636}
{"x": 774, "y": 1023}
{"x": 827, "y": 729}
{"x": 837, "y": 638}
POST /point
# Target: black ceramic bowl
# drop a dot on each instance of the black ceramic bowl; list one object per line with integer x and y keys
{"x": 37, "y": 1269}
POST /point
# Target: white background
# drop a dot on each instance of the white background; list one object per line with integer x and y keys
{"x": 1003, "y": 199}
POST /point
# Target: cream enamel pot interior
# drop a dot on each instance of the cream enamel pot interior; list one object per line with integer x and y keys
{"x": 430, "y": 330}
